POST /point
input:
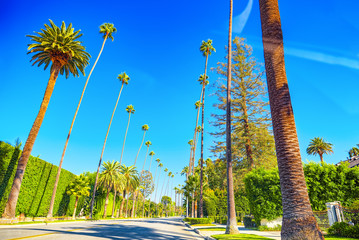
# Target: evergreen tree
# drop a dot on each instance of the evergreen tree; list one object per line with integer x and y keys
{"x": 252, "y": 141}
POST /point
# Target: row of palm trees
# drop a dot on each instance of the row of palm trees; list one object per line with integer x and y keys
{"x": 59, "y": 47}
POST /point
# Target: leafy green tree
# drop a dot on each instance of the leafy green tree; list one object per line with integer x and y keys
{"x": 147, "y": 187}
{"x": 78, "y": 187}
{"x": 106, "y": 29}
{"x": 109, "y": 177}
{"x": 319, "y": 146}
{"x": 131, "y": 180}
{"x": 252, "y": 142}
{"x": 123, "y": 78}
{"x": 298, "y": 219}
{"x": 60, "y": 48}
{"x": 154, "y": 184}
{"x": 130, "y": 111}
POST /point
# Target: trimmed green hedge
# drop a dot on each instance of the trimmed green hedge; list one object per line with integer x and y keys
{"x": 342, "y": 229}
{"x": 192, "y": 221}
{"x": 37, "y": 185}
{"x": 325, "y": 182}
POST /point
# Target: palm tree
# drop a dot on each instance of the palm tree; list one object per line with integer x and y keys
{"x": 109, "y": 177}
{"x": 354, "y": 151}
{"x": 154, "y": 182}
{"x": 196, "y": 132}
{"x": 145, "y": 129}
{"x": 118, "y": 186}
{"x": 206, "y": 48}
{"x": 131, "y": 180}
{"x": 190, "y": 143}
{"x": 148, "y": 144}
{"x": 319, "y": 146}
{"x": 298, "y": 219}
{"x": 231, "y": 212}
{"x": 60, "y": 48}
{"x": 78, "y": 187}
{"x": 107, "y": 29}
{"x": 130, "y": 111}
{"x": 159, "y": 175}
{"x": 186, "y": 170}
{"x": 123, "y": 78}
{"x": 152, "y": 153}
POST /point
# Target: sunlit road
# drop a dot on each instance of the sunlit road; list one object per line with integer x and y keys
{"x": 160, "y": 228}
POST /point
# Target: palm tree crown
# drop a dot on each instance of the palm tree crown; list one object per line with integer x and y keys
{"x": 124, "y": 78}
{"x": 107, "y": 29}
{"x": 158, "y": 160}
{"x": 148, "y": 143}
{"x": 59, "y": 45}
{"x": 79, "y": 186}
{"x": 145, "y": 127}
{"x": 207, "y": 48}
{"x": 130, "y": 109}
{"x": 198, "y": 104}
{"x": 202, "y": 81}
{"x": 319, "y": 146}
{"x": 354, "y": 151}
{"x": 152, "y": 153}
{"x": 110, "y": 174}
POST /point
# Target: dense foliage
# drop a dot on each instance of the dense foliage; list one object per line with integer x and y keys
{"x": 37, "y": 185}
{"x": 325, "y": 182}
{"x": 343, "y": 229}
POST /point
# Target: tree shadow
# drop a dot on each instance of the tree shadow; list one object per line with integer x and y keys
{"x": 10, "y": 170}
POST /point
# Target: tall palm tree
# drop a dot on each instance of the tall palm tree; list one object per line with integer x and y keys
{"x": 144, "y": 129}
{"x": 159, "y": 175}
{"x": 106, "y": 29}
{"x": 60, "y": 48}
{"x": 130, "y": 111}
{"x": 154, "y": 184}
{"x": 231, "y": 212}
{"x": 123, "y": 78}
{"x": 152, "y": 153}
{"x": 78, "y": 187}
{"x": 131, "y": 180}
{"x": 109, "y": 177}
{"x": 186, "y": 171}
{"x": 319, "y": 146}
{"x": 196, "y": 132}
{"x": 298, "y": 219}
{"x": 190, "y": 143}
{"x": 206, "y": 49}
{"x": 148, "y": 144}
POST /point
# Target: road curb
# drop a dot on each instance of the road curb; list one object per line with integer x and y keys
{"x": 197, "y": 231}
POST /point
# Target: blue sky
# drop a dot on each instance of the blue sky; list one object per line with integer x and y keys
{"x": 157, "y": 44}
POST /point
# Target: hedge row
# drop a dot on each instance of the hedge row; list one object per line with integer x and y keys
{"x": 37, "y": 185}
{"x": 198, "y": 220}
{"x": 325, "y": 182}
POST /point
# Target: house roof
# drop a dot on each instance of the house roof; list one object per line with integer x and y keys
{"x": 353, "y": 162}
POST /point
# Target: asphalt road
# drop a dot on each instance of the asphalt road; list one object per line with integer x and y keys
{"x": 160, "y": 228}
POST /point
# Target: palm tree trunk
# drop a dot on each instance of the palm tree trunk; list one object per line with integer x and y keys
{"x": 298, "y": 219}
{"x": 106, "y": 203}
{"x": 192, "y": 210}
{"x": 321, "y": 158}
{"x": 127, "y": 203}
{"x": 123, "y": 201}
{"x": 140, "y": 148}
{"x": 232, "y": 221}
{"x": 133, "y": 204}
{"x": 103, "y": 149}
{"x": 154, "y": 183}
{"x": 202, "y": 130}
{"x": 114, "y": 203}
{"x": 52, "y": 202}
{"x": 9, "y": 211}
{"x": 74, "y": 214}
{"x": 124, "y": 140}
{"x": 159, "y": 174}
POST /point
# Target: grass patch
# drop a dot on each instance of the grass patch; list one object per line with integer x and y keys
{"x": 238, "y": 237}
{"x": 332, "y": 237}
{"x": 199, "y": 225}
{"x": 213, "y": 229}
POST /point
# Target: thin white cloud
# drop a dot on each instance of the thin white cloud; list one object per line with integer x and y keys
{"x": 322, "y": 57}
{"x": 240, "y": 21}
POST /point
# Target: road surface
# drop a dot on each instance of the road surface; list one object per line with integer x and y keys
{"x": 158, "y": 228}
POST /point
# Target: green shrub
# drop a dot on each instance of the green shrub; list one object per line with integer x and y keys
{"x": 278, "y": 227}
{"x": 343, "y": 229}
{"x": 249, "y": 222}
{"x": 192, "y": 221}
